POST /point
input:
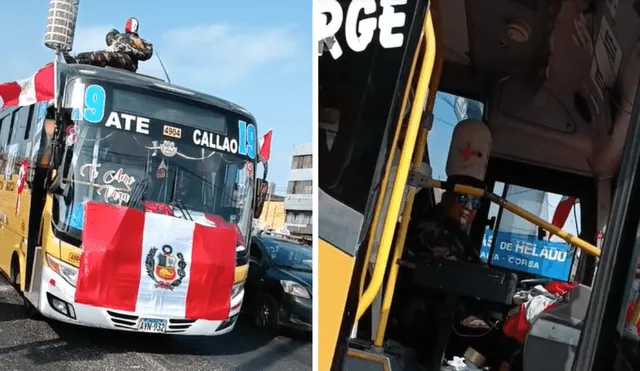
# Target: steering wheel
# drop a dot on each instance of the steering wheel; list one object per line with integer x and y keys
{"x": 532, "y": 282}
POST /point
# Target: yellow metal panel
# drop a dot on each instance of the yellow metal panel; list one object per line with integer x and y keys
{"x": 13, "y": 220}
{"x": 335, "y": 270}
{"x": 241, "y": 273}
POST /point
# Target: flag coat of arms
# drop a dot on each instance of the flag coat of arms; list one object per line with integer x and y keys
{"x": 155, "y": 264}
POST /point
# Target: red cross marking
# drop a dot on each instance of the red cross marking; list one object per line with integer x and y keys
{"x": 466, "y": 152}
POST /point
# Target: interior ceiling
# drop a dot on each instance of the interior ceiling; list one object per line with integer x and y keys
{"x": 531, "y": 62}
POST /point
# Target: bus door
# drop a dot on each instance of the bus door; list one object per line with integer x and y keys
{"x": 361, "y": 88}
{"x": 606, "y": 342}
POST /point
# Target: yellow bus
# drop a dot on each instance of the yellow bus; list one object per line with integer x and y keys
{"x": 106, "y": 132}
{"x": 557, "y": 83}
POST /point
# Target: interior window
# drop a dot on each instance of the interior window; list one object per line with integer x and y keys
{"x": 513, "y": 243}
{"x": 255, "y": 253}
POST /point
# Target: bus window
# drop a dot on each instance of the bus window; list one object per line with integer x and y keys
{"x": 516, "y": 244}
{"x": 21, "y": 118}
{"x": 5, "y": 126}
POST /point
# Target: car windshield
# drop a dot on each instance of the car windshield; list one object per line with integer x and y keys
{"x": 164, "y": 169}
{"x": 289, "y": 255}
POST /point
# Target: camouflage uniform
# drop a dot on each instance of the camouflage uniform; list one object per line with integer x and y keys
{"x": 124, "y": 51}
{"x": 433, "y": 235}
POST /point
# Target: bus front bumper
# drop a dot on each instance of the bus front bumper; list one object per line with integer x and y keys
{"x": 56, "y": 301}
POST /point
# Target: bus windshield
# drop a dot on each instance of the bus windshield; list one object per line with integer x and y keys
{"x": 161, "y": 167}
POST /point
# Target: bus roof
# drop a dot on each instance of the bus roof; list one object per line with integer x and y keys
{"x": 148, "y": 82}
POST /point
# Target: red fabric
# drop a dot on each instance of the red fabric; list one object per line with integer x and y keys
{"x": 22, "y": 175}
{"x": 212, "y": 273}
{"x": 109, "y": 274}
{"x": 157, "y": 207}
{"x": 265, "y": 146}
{"x": 517, "y": 325}
{"x": 560, "y": 288}
{"x": 112, "y": 262}
{"x": 561, "y": 214}
{"x": 219, "y": 221}
{"x": 13, "y": 93}
{"x": 629, "y": 313}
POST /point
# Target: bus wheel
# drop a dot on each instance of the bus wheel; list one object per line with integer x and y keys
{"x": 15, "y": 273}
{"x": 31, "y": 311}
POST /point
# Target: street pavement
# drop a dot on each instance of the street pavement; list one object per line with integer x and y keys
{"x": 44, "y": 345}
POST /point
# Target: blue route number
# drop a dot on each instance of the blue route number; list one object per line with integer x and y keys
{"x": 94, "y": 104}
{"x": 247, "y": 139}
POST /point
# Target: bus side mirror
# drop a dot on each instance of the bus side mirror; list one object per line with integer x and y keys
{"x": 541, "y": 234}
{"x": 261, "y": 194}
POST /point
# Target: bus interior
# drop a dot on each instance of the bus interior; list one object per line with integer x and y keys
{"x": 557, "y": 83}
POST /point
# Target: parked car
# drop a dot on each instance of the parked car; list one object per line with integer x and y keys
{"x": 278, "y": 288}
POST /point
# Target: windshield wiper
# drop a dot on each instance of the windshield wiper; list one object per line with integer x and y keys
{"x": 138, "y": 192}
{"x": 180, "y": 206}
{"x": 177, "y": 203}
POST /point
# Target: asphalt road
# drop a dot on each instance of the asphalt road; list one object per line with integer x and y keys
{"x": 43, "y": 345}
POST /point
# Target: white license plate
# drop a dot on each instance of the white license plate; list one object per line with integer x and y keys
{"x": 153, "y": 325}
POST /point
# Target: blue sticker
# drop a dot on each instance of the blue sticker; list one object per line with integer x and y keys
{"x": 75, "y": 114}
{"x": 77, "y": 216}
{"x": 526, "y": 253}
{"x": 94, "y": 103}
{"x": 246, "y": 139}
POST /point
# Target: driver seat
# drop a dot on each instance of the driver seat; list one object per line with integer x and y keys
{"x": 553, "y": 337}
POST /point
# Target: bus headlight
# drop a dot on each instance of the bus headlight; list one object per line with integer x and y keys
{"x": 66, "y": 271}
{"x": 295, "y": 289}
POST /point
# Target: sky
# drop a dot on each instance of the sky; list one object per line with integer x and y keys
{"x": 256, "y": 54}
{"x": 438, "y": 143}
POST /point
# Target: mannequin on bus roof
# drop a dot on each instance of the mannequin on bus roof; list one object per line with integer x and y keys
{"x": 124, "y": 49}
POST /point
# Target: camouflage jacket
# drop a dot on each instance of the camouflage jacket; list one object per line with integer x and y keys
{"x": 434, "y": 236}
{"x": 138, "y": 48}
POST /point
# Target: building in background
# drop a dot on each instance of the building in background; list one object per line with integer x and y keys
{"x": 273, "y": 214}
{"x": 298, "y": 203}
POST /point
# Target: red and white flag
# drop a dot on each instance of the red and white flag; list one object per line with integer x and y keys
{"x": 265, "y": 145}
{"x": 561, "y": 214}
{"x": 38, "y": 88}
{"x": 155, "y": 264}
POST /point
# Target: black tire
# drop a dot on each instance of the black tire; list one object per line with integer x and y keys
{"x": 14, "y": 280}
{"x": 31, "y": 311}
{"x": 267, "y": 317}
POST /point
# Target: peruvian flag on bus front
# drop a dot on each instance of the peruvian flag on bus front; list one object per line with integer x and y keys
{"x": 155, "y": 264}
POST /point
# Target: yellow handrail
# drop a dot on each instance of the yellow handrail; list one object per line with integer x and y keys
{"x": 477, "y": 192}
{"x": 402, "y": 173}
{"x": 387, "y": 300}
{"x": 387, "y": 169}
